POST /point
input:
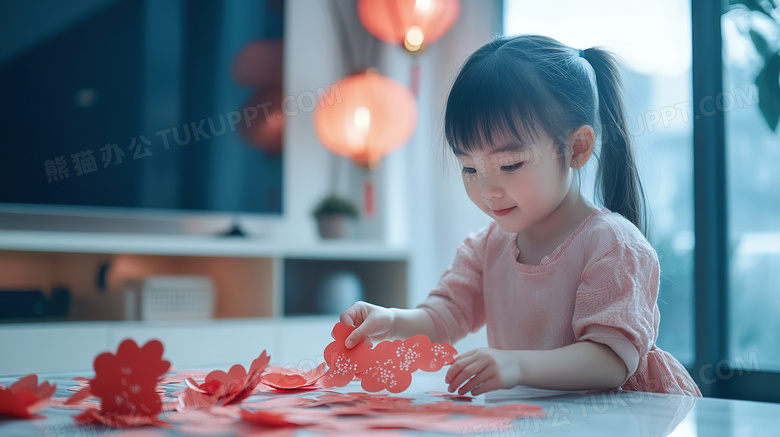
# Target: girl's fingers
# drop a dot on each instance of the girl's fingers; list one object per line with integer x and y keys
{"x": 346, "y": 318}
{"x": 476, "y": 380}
{"x": 467, "y": 354}
{"x": 356, "y": 336}
{"x": 368, "y": 327}
{"x": 456, "y": 367}
{"x": 468, "y": 371}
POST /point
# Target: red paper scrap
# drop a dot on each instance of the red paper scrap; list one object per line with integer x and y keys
{"x": 93, "y": 416}
{"x": 451, "y": 396}
{"x": 25, "y": 397}
{"x": 266, "y": 418}
{"x": 222, "y": 388}
{"x": 63, "y": 404}
{"x": 80, "y": 396}
{"x": 294, "y": 379}
{"x": 277, "y": 401}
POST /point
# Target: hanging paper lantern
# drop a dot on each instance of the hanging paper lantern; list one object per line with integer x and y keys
{"x": 259, "y": 63}
{"x": 265, "y": 130}
{"x": 368, "y": 116}
{"x": 411, "y": 23}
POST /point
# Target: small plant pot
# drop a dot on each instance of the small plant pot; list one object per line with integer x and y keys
{"x": 335, "y": 226}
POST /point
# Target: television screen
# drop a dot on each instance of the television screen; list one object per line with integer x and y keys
{"x": 164, "y": 105}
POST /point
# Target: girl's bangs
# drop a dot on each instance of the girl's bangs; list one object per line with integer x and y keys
{"x": 488, "y": 109}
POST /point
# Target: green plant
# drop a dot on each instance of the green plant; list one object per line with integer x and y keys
{"x": 767, "y": 79}
{"x": 334, "y": 204}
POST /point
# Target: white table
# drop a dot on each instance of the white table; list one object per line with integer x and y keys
{"x": 568, "y": 414}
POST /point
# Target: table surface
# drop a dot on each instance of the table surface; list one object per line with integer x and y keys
{"x": 568, "y": 413}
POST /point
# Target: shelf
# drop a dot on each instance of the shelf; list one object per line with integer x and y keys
{"x": 331, "y": 286}
{"x": 191, "y": 245}
{"x": 268, "y": 294}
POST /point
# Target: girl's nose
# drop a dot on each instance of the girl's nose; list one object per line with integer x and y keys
{"x": 491, "y": 190}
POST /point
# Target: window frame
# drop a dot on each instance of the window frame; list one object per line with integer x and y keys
{"x": 714, "y": 371}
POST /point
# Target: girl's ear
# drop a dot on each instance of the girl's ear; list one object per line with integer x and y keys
{"x": 582, "y": 140}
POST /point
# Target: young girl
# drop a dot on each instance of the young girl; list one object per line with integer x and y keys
{"x": 567, "y": 290}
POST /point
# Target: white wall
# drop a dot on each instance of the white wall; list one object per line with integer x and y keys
{"x": 421, "y": 203}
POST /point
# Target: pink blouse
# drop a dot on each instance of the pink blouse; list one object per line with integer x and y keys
{"x": 601, "y": 285}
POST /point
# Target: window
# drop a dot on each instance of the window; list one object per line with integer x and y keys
{"x": 751, "y": 61}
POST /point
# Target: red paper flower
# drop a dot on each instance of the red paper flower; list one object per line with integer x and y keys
{"x": 222, "y": 388}
{"x": 287, "y": 379}
{"x": 126, "y": 384}
{"x": 25, "y": 397}
{"x": 344, "y": 363}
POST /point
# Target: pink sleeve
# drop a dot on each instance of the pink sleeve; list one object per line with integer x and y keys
{"x": 456, "y": 303}
{"x": 615, "y": 303}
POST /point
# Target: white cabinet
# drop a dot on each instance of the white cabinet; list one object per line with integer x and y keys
{"x": 266, "y": 296}
{"x": 36, "y": 348}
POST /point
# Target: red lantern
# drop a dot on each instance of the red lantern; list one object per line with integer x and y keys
{"x": 411, "y": 23}
{"x": 259, "y": 63}
{"x": 368, "y": 116}
{"x": 266, "y": 130}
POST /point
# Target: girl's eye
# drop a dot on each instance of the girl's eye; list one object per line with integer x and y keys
{"x": 513, "y": 167}
{"x": 469, "y": 170}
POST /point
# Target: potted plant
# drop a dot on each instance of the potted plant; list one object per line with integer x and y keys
{"x": 335, "y": 217}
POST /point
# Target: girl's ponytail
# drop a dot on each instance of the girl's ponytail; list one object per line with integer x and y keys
{"x": 617, "y": 177}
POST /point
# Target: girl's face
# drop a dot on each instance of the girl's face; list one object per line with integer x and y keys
{"x": 518, "y": 186}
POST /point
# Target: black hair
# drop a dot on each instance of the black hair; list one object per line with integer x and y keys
{"x": 520, "y": 86}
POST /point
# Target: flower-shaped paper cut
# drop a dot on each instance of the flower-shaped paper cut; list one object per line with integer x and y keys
{"x": 425, "y": 355}
{"x": 395, "y": 361}
{"x": 25, "y": 397}
{"x": 222, "y": 388}
{"x": 287, "y": 379}
{"x": 344, "y": 363}
{"x": 390, "y": 370}
{"x": 126, "y": 384}
{"x": 389, "y": 365}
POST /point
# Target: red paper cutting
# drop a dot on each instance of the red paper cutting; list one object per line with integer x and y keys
{"x": 126, "y": 384}
{"x": 25, "y": 397}
{"x": 222, "y": 388}
{"x": 266, "y": 418}
{"x": 287, "y": 379}
{"x": 362, "y": 413}
{"x": 390, "y": 370}
{"x": 80, "y": 396}
{"x": 344, "y": 363}
{"x": 93, "y": 416}
{"x": 389, "y": 365}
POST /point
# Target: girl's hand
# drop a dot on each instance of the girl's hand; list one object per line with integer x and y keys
{"x": 371, "y": 321}
{"x": 483, "y": 370}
